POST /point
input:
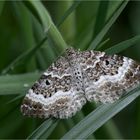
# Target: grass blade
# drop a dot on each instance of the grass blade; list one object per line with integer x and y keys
{"x": 103, "y": 43}
{"x": 15, "y": 99}
{"x": 47, "y": 23}
{"x": 99, "y": 116}
{"x": 24, "y": 57}
{"x": 101, "y": 16}
{"x": 39, "y": 11}
{"x": 123, "y": 45}
{"x": 48, "y": 132}
{"x": 9, "y": 124}
{"x": 2, "y": 3}
{"x": 26, "y": 30}
{"x": 44, "y": 127}
{"x": 68, "y": 12}
{"x": 16, "y": 84}
{"x": 107, "y": 26}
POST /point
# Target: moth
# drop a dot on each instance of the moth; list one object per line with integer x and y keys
{"x": 78, "y": 77}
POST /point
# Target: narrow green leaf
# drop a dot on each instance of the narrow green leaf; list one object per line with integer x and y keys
{"x": 26, "y": 30}
{"x": 136, "y": 131}
{"x": 48, "y": 132}
{"x": 123, "y": 45}
{"x": 37, "y": 8}
{"x": 101, "y": 17}
{"x": 68, "y": 12}
{"x": 112, "y": 130}
{"x": 100, "y": 116}
{"x": 43, "y": 128}
{"x": 48, "y": 25}
{"x": 10, "y": 124}
{"x": 107, "y": 26}
{"x": 85, "y": 37}
{"x": 15, "y": 99}
{"x": 24, "y": 57}
{"x": 16, "y": 84}
{"x": 10, "y": 111}
{"x": 103, "y": 43}
{"x": 45, "y": 55}
{"x": 1, "y": 6}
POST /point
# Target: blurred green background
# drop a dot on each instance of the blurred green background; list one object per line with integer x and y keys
{"x": 21, "y": 30}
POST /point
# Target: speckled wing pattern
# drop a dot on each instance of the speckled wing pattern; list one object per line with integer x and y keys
{"x": 108, "y": 77}
{"x": 77, "y": 77}
{"x": 58, "y": 93}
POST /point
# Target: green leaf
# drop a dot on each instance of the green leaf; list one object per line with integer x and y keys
{"x": 68, "y": 12}
{"x": 1, "y": 6}
{"x": 10, "y": 124}
{"x": 86, "y": 37}
{"x": 43, "y": 128}
{"x": 39, "y": 11}
{"x": 15, "y": 99}
{"x": 123, "y": 45}
{"x": 107, "y": 26}
{"x": 48, "y": 131}
{"x": 24, "y": 57}
{"x": 26, "y": 30}
{"x": 103, "y": 43}
{"x": 100, "y": 116}
{"x": 101, "y": 16}
{"x": 16, "y": 84}
{"x": 47, "y": 23}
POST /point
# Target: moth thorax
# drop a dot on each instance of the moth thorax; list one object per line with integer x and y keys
{"x": 71, "y": 54}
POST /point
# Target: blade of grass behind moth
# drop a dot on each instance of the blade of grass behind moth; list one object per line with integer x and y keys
{"x": 49, "y": 50}
{"x": 39, "y": 11}
{"x": 48, "y": 132}
{"x": 86, "y": 37}
{"x": 107, "y": 26}
{"x": 112, "y": 130}
{"x": 10, "y": 125}
{"x": 136, "y": 131}
{"x": 23, "y": 57}
{"x": 68, "y": 12}
{"x": 80, "y": 115}
{"x": 108, "y": 131}
{"x": 1, "y": 6}
{"x": 103, "y": 43}
{"x": 68, "y": 124}
{"x": 101, "y": 17}
{"x": 68, "y": 28}
{"x": 47, "y": 23}
{"x": 16, "y": 84}
{"x": 15, "y": 99}
{"x": 100, "y": 116}
{"x": 24, "y": 78}
{"x": 22, "y": 14}
{"x": 45, "y": 55}
{"x": 123, "y": 45}
{"x": 29, "y": 53}
{"x": 12, "y": 109}
{"x": 43, "y": 128}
